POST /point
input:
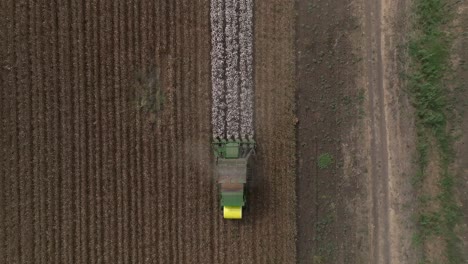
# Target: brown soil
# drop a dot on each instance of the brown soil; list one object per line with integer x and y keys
{"x": 332, "y": 202}
{"x": 88, "y": 177}
{"x": 352, "y": 105}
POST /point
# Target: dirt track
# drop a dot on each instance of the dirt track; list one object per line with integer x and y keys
{"x": 87, "y": 177}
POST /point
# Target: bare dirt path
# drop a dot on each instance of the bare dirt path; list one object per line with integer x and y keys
{"x": 390, "y": 132}
{"x": 379, "y": 174}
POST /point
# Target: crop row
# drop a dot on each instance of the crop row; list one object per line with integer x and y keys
{"x": 231, "y": 61}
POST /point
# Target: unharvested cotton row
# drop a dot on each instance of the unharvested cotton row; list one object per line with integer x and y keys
{"x": 246, "y": 66}
{"x": 217, "y": 68}
{"x": 232, "y": 73}
{"x": 232, "y": 68}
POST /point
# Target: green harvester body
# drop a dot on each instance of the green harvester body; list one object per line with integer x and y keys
{"x": 234, "y": 160}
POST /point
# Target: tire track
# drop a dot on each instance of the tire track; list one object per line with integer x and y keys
{"x": 380, "y": 249}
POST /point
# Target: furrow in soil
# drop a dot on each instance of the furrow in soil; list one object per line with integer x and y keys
{"x": 13, "y": 232}
{"x": 25, "y": 166}
{"x": 36, "y": 123}
{"x": 66, "y": 125}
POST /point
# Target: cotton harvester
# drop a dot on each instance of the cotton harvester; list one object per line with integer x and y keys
{"x": 234, "y": 163}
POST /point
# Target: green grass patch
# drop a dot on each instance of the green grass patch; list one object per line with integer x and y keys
{"x": 430, "y": 66}
{"x": 325, "y": 160}
{"x": 149, "y": 95}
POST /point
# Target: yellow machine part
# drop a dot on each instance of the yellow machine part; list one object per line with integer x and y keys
{"x": 232, "y": 212}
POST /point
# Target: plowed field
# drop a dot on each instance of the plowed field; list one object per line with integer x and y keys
{"x": 89, "y": 175}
